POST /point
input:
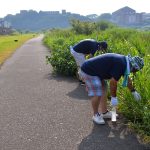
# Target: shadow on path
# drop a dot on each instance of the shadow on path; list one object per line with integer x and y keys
{"x": 111, "y": 137}
{"x": 102, "y": 137}
{"x": 77, "y": 93}
{"x": 60, "y": 78}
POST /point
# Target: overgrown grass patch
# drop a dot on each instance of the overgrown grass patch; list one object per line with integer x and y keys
{"x": 123, "y": 41}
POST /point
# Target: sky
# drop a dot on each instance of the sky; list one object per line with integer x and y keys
{"x": 83, "y": 7}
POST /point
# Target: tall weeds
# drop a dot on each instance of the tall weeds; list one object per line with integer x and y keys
{"x": 123, "y": 41}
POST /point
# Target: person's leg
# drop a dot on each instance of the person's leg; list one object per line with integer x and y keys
{"x": 103, "y": 101}
{"x": 93, "y": 85}
{"x": 94, "y": 89}
{"x": 103, "y": 98}
{"x": 97, "y": 117}
{"x": 95, "y": 100}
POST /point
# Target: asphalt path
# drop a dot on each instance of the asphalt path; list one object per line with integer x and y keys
{"x": 43, "y": 111}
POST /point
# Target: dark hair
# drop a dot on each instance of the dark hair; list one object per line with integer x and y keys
{"x": 103, "y": 45}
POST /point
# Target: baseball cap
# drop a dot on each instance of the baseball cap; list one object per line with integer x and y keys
{"x": 103, "y": 45}
{"x": 136, "y": 62}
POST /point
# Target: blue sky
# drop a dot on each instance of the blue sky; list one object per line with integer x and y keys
{"x": 83, "y": 7}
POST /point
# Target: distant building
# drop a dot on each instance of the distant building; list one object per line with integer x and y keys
{"x": 4, "y": 24}
{"x": 68, "y": 13}
{"x": 23, "y": 11}
{"x": 5, "y": 27}
{"x": 127, "y": 16}
{"x": 54, "y": 12}
{"x": 64, "y": 11}
{"x": 146, "y": 16}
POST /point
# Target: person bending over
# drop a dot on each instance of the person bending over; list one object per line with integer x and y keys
{"x": 110, "y": 66}
{"x": 86, "y": 47}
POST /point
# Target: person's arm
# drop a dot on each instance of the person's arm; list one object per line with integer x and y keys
{"x": 113, "y": 92}
{"x": 130, "y": 85}
{"x": 135, "y": 94}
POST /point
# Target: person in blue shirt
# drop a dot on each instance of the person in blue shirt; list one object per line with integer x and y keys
{"x": 86, "y": 47}
{"x": 110, "y": 66}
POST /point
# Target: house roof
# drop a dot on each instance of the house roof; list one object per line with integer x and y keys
{"x": 124, "y": 10}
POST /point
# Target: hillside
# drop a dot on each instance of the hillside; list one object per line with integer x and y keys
{"x": 37, "y": 21}
{"x": 30, "y": 20}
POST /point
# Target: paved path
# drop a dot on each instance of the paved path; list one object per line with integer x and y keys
{"x": 41, "y": 111}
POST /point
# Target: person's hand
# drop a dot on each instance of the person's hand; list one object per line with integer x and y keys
{"x": 136, "y": 95}
{"x": 114, "y": 101}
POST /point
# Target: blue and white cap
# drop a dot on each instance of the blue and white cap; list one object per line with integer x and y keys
{"x": 136, "y": 62}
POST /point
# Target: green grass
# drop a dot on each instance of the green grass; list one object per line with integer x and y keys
{"x": 8, "y": 44}
{"x": 123, "y": 41}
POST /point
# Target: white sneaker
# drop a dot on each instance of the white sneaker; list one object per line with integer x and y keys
{"x": 97, "y": 118}
{"x": 108, "y": 115}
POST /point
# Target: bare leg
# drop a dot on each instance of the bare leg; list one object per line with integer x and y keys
{"x": 95, "y": 104}
{"x": 95, "y": 100}
{"x": 103, "y": 99}
{"x": 103, "y": 103}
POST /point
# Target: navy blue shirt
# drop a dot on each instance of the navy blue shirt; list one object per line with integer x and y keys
{"x": 87, "y": 46}
{"x": 106, "y": 66}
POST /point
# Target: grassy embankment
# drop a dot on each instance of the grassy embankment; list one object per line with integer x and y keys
{"x": 8, "y": 44}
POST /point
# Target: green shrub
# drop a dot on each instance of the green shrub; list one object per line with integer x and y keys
{"x": 62, "y": 62}
{"x": 123, "y": 41}
{"x": 82, "y": 27}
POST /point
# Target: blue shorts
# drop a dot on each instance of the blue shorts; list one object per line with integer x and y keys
{"x": 93, "y": 84}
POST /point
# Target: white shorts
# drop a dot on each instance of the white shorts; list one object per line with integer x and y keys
{"x": 79, "y": 57}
